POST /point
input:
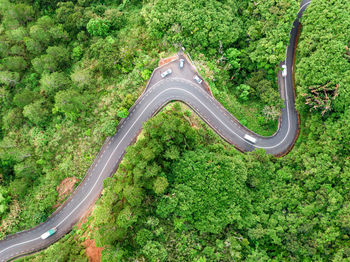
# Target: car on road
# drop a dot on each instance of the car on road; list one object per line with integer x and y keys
{"x": 250, "y": 138}
{"x": 182, "y": 63}
{"x": 284, "y": 72}
{"x": 48, "y": 233}
{"x": 197, "y": 79}
{"x": 167, "y": 72}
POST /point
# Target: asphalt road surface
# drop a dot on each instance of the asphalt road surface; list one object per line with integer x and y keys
{"x": 177, "y": 86}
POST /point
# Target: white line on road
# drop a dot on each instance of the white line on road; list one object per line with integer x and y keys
{"x": 18, "y": 244}
{"x": 303, "y": 6}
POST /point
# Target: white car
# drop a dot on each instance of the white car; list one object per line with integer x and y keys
{"x": 48, "y": 233}
{"x": 165, "y": 73}
{"x": 197, "y": 79}
{"x": 284, "y": 72}
{"x": 182, "y": 63}
{"x": 250, "y": 138}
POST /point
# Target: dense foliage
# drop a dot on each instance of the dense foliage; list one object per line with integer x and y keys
{"x": 62, "y": 93}
{"x": 70, "y": 70}
{"x": 207, "y": 202}
{"x": 324, "y": 55}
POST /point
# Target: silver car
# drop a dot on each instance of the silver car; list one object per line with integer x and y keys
{"x": 197, "y": 79}
{"x": 182, "y": 63}
{"x": 284, "y": 72}
{"x": 165, "y": 73}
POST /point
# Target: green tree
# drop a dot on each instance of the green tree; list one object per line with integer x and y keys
{"x": 24, "y": 98}
{"x": 45, "y": 64}
{"x": 4, "y": 200}
{"x": 23, "y": 13}
{"x": 243, "y": 92}
{"x": 71, "y": 16}
{"x": 9, "y": 78}
{"x": 109, "y": 126}
{"x": 143, "y": 236}
{"x": 33, "y": 46}
{"x": 160, "y": 185}
{"x": 54, "y": 82}
{"x": 154, "y": 251}
{"x": 115, "y": 18}
{"x": 40, "y": 31}
{"x": 167, "y": 205}
{"x": 16, "y": 35}
{"x": 77, "y": 52}
{"x": 109, "y": 59}
{"x": 98, "y": 27}
{"x": 13, "y": 119}
{"x": 15, "y": 63}
{"x": 60, "y": 54}
{"x": 36, "y": 112}
{"x": 123, "y": 113}
{"x": 56, "y": 57}
{"x": 322, "y": 73}
{"x": 201, "y": 25}
{"x": 70, "y": 103}
{"x": 268, "y": 29}
{"x": 45, "y": 32}
{"x": 232, "y": 55}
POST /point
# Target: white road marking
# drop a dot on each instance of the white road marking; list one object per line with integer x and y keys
{"x": 18, "y": 244}
{"x": 303, "y": 6}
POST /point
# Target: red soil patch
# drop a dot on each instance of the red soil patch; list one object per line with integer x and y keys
{"x": 166, "y": 60}
{"x": 93, "y": 252}
{"x": 84, "y": 219}
{"x": 66, "y": 187}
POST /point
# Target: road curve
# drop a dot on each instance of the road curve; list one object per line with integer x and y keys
{"x": 149, "y": 103}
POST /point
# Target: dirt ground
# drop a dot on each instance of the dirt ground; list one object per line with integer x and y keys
{"x": 66, "y": 187}
{"x": 166, "y": 60}
{"x": 93, "y": 252}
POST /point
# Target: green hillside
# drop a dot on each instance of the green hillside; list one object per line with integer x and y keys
{"x": 70, "y": 70}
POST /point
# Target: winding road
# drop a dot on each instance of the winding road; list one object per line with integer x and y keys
{"x": 178, "y": 86}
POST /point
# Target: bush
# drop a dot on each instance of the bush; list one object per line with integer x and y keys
{"x": 98, "y": 27}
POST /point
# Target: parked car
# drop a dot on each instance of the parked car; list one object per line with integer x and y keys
{"x": 197, "y": 79}
{"x": 165, "y": 73}
{"x": 284, "y": 72}
{"x": 182, "y": 63}
{"x": 48, "y": 233}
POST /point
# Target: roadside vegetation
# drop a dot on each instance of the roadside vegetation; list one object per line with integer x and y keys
{"x": 70, "y": 70}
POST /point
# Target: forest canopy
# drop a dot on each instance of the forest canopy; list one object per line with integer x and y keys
{"x": 69, "y": 72}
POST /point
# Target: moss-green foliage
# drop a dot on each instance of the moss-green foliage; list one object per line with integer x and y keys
{"x": 323, "y": 71}
{"x": 210, "y": 190}
{"x": 70, "y": 70}
{"x": 4, "y": 200}
{"x": 97, "y": 27}
{"x": 61, "y": 90}
{"x": 220, "y": 205}
{"x": 201, "y": 25}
